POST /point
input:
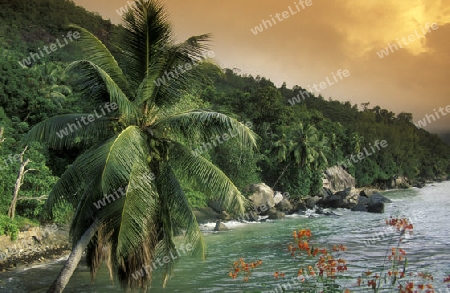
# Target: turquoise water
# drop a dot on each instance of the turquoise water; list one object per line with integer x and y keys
{"x": 365, "y": 235}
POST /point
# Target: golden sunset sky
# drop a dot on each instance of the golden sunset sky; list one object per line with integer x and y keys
{"x": 307, "y": 47}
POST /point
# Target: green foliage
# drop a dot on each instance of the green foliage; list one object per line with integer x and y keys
{"x": 8, "y": 227}
{"x": 196, "y": 199}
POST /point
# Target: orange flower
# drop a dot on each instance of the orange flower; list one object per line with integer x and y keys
{"x": 368, "y": 273}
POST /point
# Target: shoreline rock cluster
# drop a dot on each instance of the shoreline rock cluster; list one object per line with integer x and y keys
{"x": 338, "y": 191}
{"x": 34, "y": 245}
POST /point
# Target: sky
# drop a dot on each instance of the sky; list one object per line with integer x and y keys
{"x": 306, "y": 42}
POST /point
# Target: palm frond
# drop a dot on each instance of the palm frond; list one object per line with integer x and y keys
{"x": 97, "y": 83}
{"x": 180, "y": 73}
{"x": 96, "y": 52}
{"x": 204, "y": 126}
{"x": 148, "y": 34}
{"x": 57, "y": 131}
{"x": 207, "y": 178}
{"x": 181, "y": 215}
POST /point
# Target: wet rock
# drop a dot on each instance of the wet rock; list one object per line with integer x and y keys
{"x": 285, "y": 206}
{"x": 274, "y": 214}
{"x": 299, "y": 206}
{"x": 377, "y": 197}
{"x": 359, "y": 208}
{"x": 312, "y": 201}
{"x": 377, "y": 207}
{"x": 220, "y": 227}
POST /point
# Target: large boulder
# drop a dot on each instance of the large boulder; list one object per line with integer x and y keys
{"x": 363, "y": 200}
{"x": 377, "y": 207}
{"x": 274, "y": 214}
{"x": 277, "y": 198}
{"x": 262, "y": 195}
{"x": 326, "y": 192}
{"x": 336, "y": 179}
{"x": 359, "y": 208}
{"x": 342, "y": 199}
{"x": 205, "y": 215}
{"x": 334, "y": 201}
{"x": 285, "y": 206}
{"x": 377, "y": 197}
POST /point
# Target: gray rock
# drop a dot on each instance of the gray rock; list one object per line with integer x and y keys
{"x": 300, "y": 206}
{"x": 359, "y": 208}
{"x": 274, "y": 214}
{"x": 333, "y": 201}
{"x": 220, "y": 227}
{"x": 277, "y": 198}
{"x": 326, "y": 192}
{"x": 377, "y": 207}
{"x": 377, "y": 197}
{"x": 262, "y": 195}
{"x": 337, "y": 178}
{"x": 225, "y": 216}
{"x": 312, "y": 201}
{"x": 363, "y": 201}
{"x": 285, "y": 206}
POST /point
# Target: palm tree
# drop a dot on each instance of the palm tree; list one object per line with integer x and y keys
{"x": 142, "y": 137}
{"x": 308, "y": 146}
{"x": 300, "y": 144}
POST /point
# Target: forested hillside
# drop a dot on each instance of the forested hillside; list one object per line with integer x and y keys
{"x": 298, "y": 138}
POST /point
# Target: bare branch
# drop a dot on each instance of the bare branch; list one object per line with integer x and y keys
{"x": 40, "y": 198}
{"x": 1, "y": 135}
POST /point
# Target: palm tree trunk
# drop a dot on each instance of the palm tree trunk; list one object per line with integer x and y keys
{"x": 282, "y": 173}
{"x": 74, "y": 258}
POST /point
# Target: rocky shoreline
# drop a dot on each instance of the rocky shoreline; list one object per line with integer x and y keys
{"x": 41, "y": 245}
{"x": 338, "y": 191}
{"x": 34, "y": 245}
